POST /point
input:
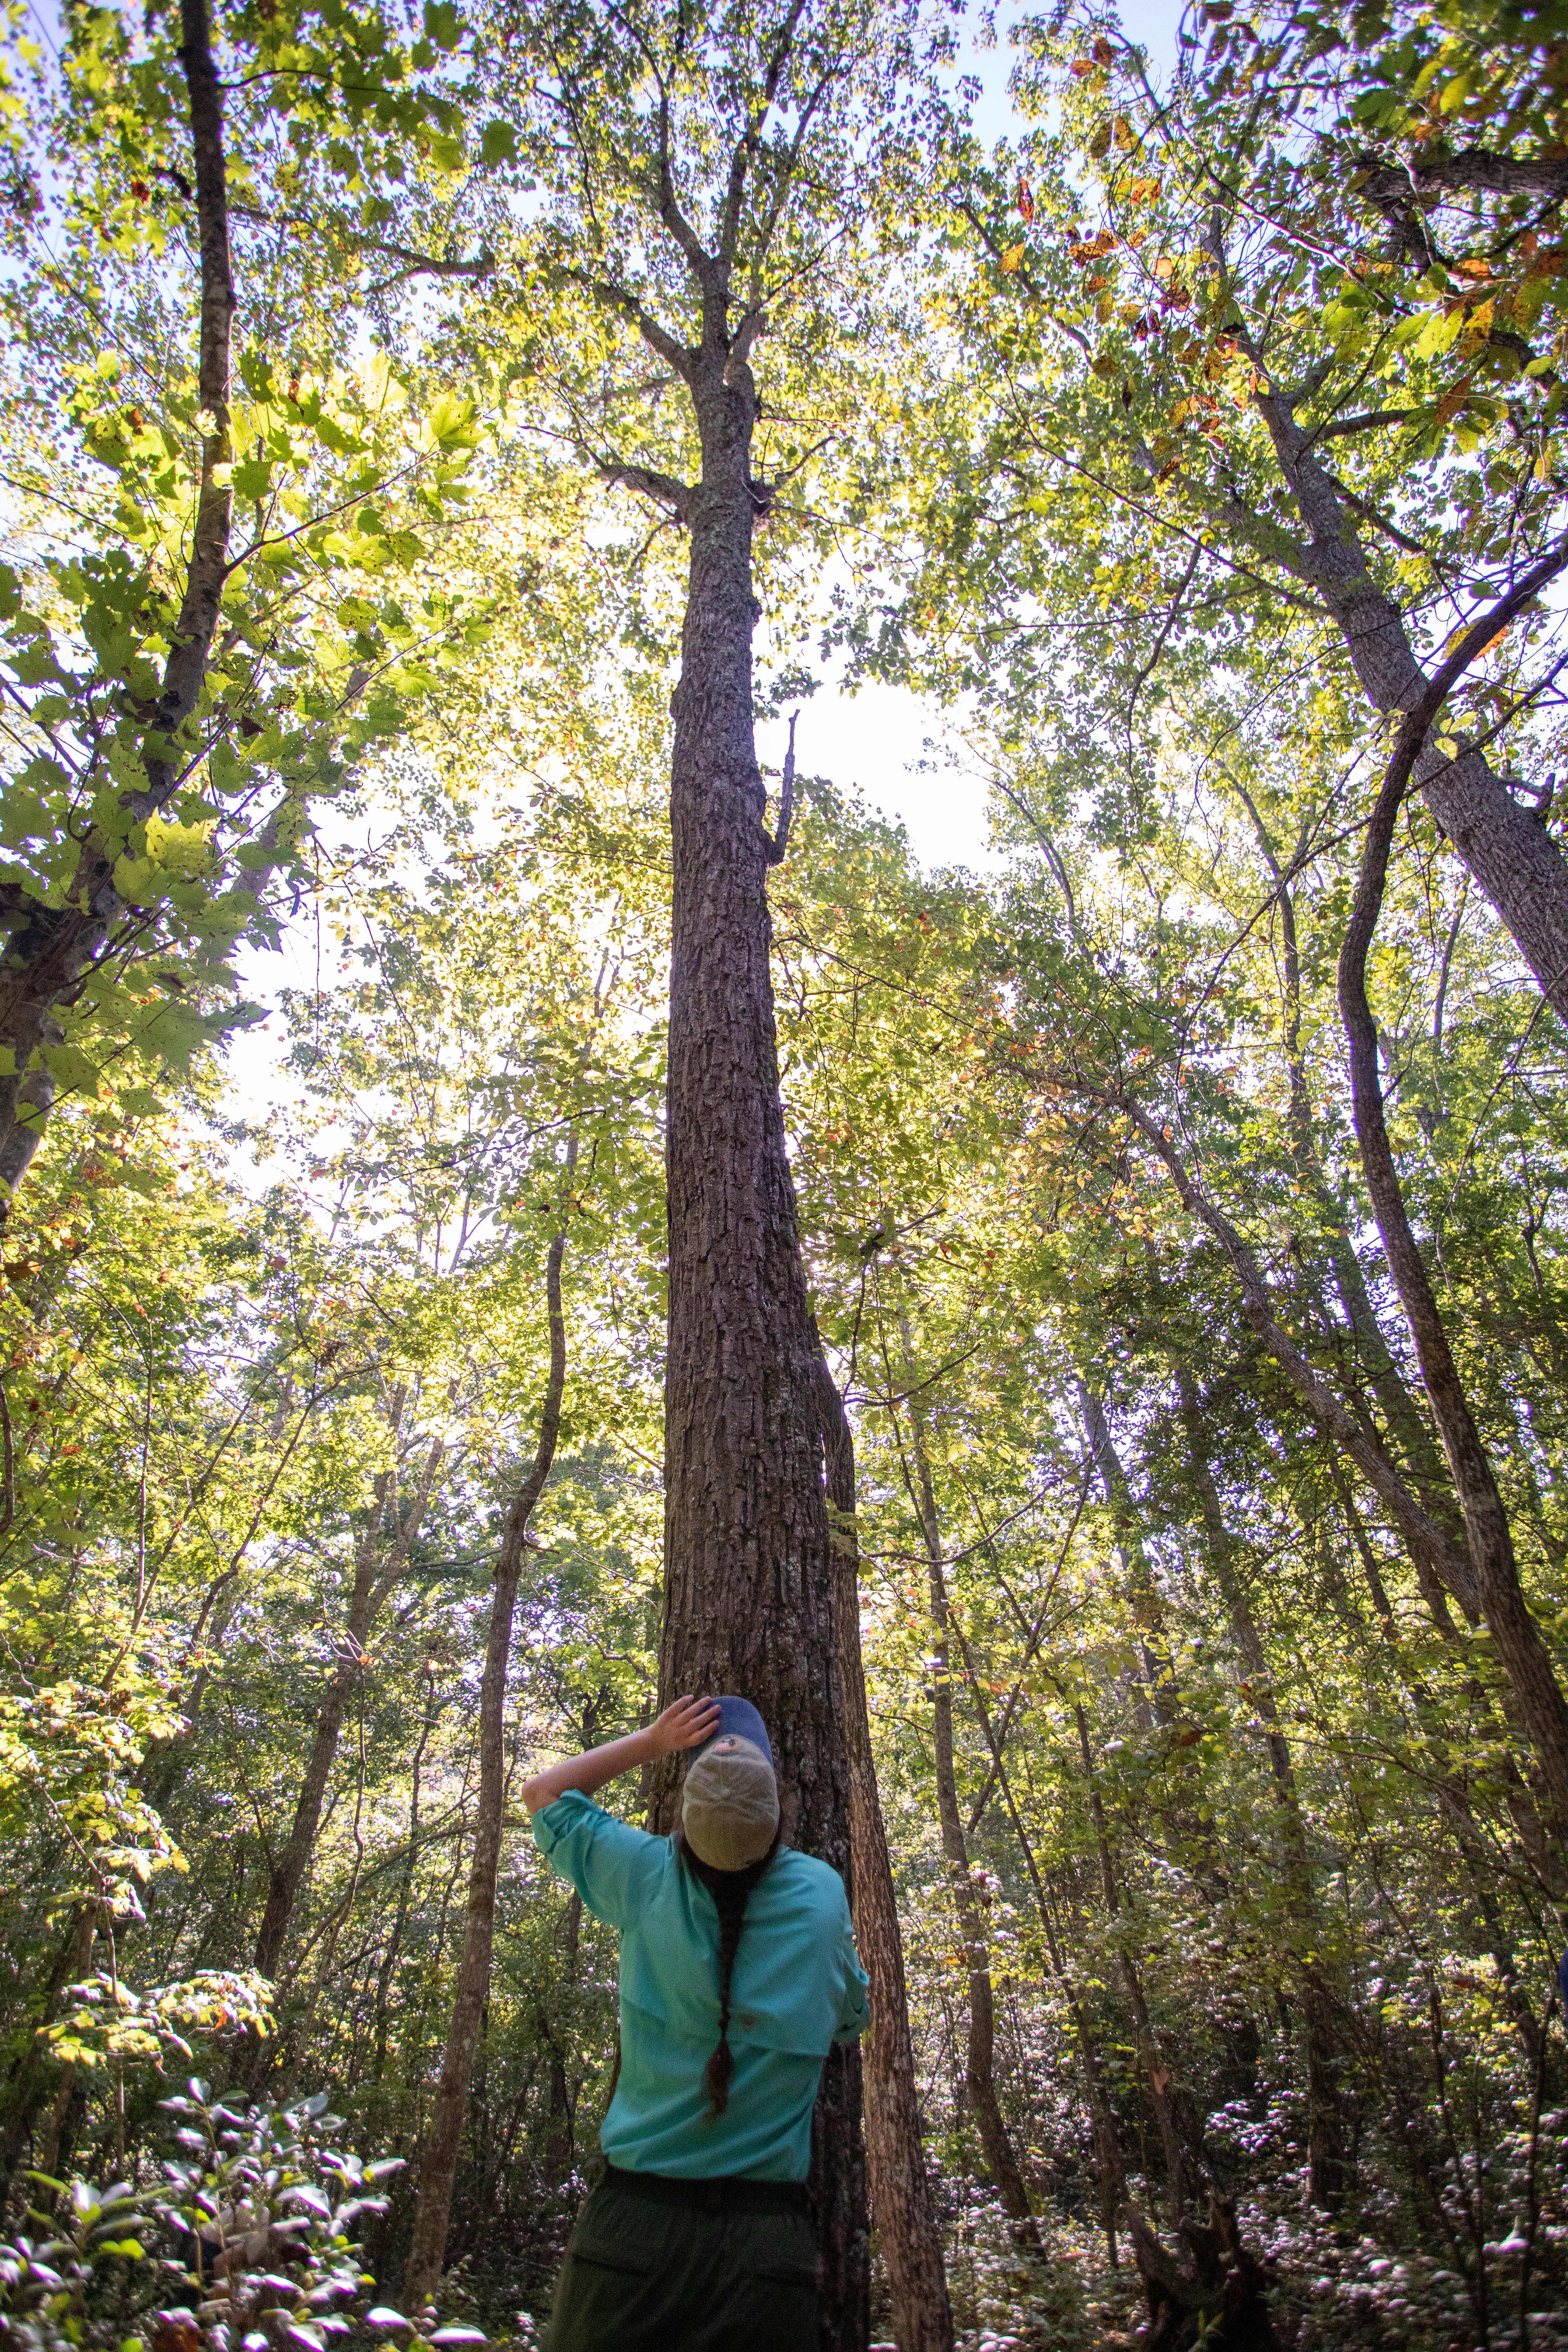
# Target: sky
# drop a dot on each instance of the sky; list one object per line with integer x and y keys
{"x": 894, "y": 746}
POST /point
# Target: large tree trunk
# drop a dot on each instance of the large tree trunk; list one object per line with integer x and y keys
{"x": 900, "y": 2192}
{"x": 748, "y": 1563}
{"x": 439, "y": 2162}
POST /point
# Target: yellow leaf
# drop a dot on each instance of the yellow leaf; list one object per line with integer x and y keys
{"x": 1012, "y": 259}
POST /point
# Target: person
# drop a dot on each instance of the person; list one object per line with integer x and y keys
{"x": 738, "y": 1972}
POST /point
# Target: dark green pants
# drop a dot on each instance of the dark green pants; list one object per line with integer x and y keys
{"x": 659, "y": 2266}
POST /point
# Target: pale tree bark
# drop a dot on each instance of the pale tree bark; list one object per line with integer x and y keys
{"x": 968, "y": 1903}
{"x": 1513, "y": 859}
{"x": 1175, "y": 2111}
{"x": 443, "y": 2146}
{"x": 901, "y": 2202}
{"x": 51, "y": 947}
{"x": 1517, "y": 1638}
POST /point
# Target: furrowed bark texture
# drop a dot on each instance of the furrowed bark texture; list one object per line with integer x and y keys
{"x": 1517, "y": 1637}
{"x": 748, "y": 1561}
{"x": 438, "y": 2163}
{"x": 50, "y": 948}
{"x": 901, "y": 2192}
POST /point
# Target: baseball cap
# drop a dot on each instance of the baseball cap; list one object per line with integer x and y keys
{"x": 729, "y": 1804}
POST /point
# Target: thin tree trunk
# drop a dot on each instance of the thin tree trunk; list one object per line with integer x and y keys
{"x": 52, "y": 945}
{"x": 287, "y": 1874}
{"x": 1420, "y": 1531}
{"x": 438, "y": 2163}
{"x": 1326, "y": 2167}
{"x": 406, "y": 1880}
{"x": 1180, "y": 2128}
{"x": 1407, "y": 1424}
{"x": 1109, "y": 2168}
{"x": 900, "y": 2192}
{"x": 1515, "y": 1634}
{"x": 72, "y": 1959}
{"x": 979, "y": 2081}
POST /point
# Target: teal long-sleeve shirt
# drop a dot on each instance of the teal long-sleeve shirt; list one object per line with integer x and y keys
{"x": 797, "y": 1988}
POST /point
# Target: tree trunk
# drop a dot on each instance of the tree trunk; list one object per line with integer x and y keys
{"x": 51, "y": 946}
{"x": 1326, "y": 2168}
{"x": 287, "y": 1874}
{"x": 748, "y": 1563}
{"x": 1513, "y": 859}
{"x": 1175, "y": 2113}
{"x": 1517, "y": 1637}
{"x": 438, "y": 2163}
{"x": 1407, "y": 1424}
{"x": 980, "y": 2080}
{"x": 900, "y": 2192}
{"x": 1110, "y": 2172}
{"x": 72, "y": 1959}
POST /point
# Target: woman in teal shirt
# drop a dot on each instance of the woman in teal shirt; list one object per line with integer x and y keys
{"x": 738, "y": 1972}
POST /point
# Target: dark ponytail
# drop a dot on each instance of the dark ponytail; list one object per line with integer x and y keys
{"x": 731, "y": 1890}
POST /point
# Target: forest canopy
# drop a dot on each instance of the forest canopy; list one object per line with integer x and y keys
{"x": 513, "y": 1209}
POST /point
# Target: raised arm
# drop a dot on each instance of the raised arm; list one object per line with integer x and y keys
{"x": 686, "y": 1724}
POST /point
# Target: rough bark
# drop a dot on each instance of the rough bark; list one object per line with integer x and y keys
{"x": 979, "y": 2079}
{"x": 900, "y": 2192}
{"x": 748, "y": 1560}
{"x": 1516, "y": 1636}
{"x": 439, "y": 2162}
{"x": 51, "y": 946}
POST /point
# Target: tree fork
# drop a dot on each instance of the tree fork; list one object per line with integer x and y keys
{"x": 1520, "y": 1646}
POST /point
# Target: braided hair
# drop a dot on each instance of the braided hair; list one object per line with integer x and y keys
{"x": 731, "y": 1890}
